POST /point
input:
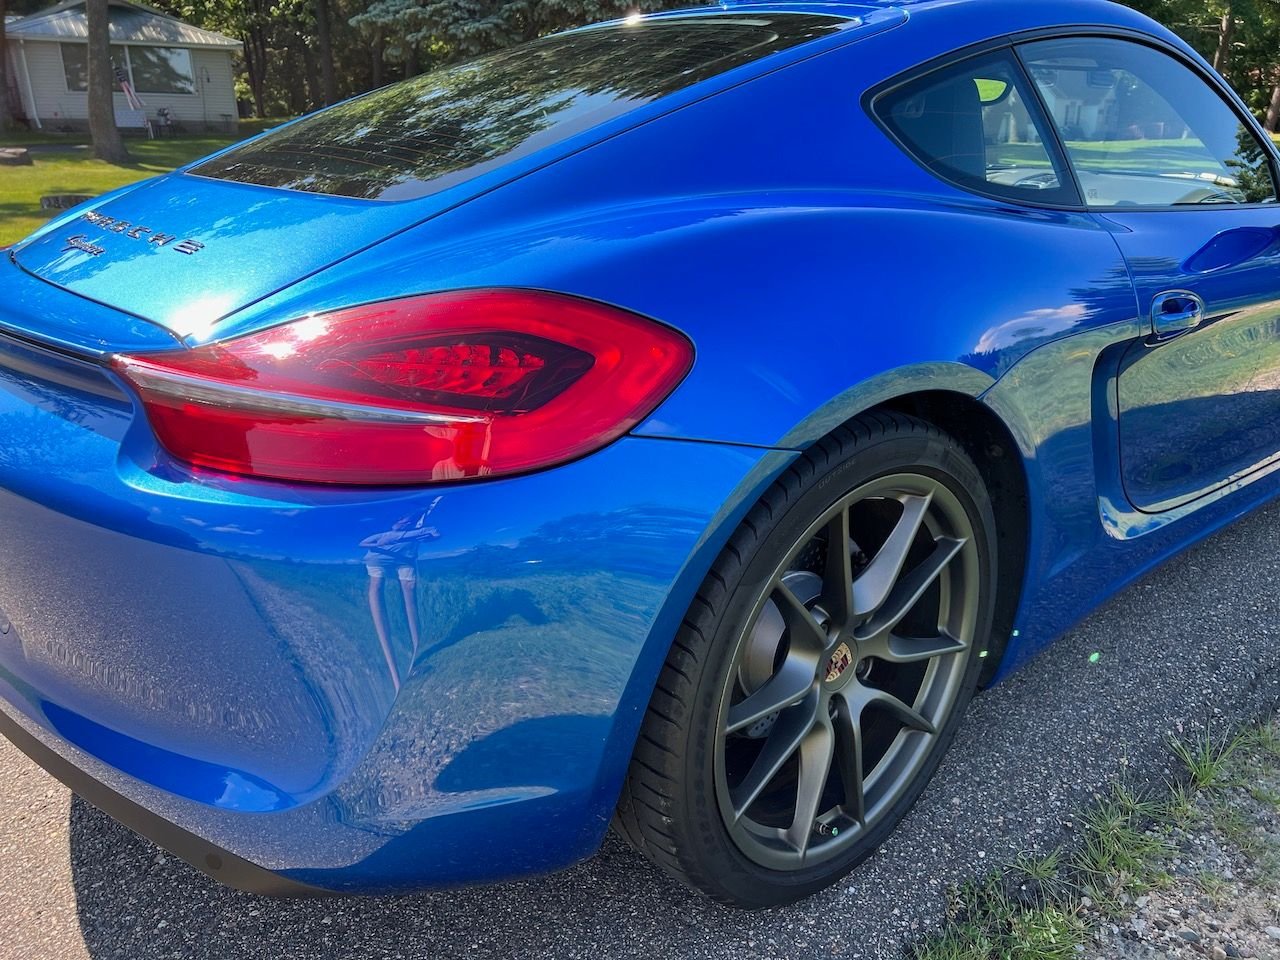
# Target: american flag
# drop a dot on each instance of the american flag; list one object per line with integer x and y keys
{"x": 122, "y": 78}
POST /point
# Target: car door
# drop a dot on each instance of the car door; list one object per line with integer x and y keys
{"x": 1186, "y": 186}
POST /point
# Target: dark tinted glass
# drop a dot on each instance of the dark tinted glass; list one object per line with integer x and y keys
{"x": 423, "y": 135}
{"x": 1142, "y": 129}
{"x": 970, "y": 124}
{"x": 161, "y": 69}
{"x": 75, "y": 65}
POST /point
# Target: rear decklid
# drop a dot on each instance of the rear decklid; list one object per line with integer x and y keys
{"x": 182, "y": 251}
{"x": 185, "y": 250}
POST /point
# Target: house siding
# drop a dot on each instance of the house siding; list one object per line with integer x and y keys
{"x": 213, "y": 106}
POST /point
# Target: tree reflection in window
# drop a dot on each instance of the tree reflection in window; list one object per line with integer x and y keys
{"x": 423, "y": 135}
{"x": 75, "y": 65}
{"x": 1252, "y": 169}
{"x": 161, "y": 70}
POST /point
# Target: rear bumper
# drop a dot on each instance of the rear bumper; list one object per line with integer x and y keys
{"x": 278, "y": 677}
{"x": 222, "y": 865}
{"x": 237, "y": 702}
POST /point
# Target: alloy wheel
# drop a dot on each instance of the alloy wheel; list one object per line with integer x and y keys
{"x": 850, "y": 661}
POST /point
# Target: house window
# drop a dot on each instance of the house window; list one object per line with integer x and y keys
{"x": 75, "y": 64}
{"x": 161, "y": 70}
{"x": 151, "y": 69}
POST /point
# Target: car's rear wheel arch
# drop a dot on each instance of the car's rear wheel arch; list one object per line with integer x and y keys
{"x": 666, "y": 808}
{"x": 993, "y": 450}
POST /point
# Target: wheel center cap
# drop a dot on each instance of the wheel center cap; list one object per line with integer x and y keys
{"x": 838, "y": 663}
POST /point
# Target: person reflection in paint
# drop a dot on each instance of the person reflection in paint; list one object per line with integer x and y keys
{"x": 395, "y": 553}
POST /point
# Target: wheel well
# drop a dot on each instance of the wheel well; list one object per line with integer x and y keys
{"x": 992, "y": 449}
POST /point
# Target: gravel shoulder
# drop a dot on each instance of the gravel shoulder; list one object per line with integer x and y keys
{"x": 1199, "y": 638}
{"x": 1216, "y": 893}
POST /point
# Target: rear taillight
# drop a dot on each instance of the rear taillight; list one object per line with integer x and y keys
{"x": 438, "y": 387}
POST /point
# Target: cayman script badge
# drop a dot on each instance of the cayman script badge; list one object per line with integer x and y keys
{"x": 138, "y": 232}
{"x": 81, "y": 242}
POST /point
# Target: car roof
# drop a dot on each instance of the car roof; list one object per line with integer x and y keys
{"x": 970, "y": 19}
{"x": 945, "y": 8}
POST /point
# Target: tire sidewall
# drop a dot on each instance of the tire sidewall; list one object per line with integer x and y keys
{"x": 926, "y": 453}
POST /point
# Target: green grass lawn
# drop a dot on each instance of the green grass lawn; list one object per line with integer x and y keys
{"x": 1118, "y": 155}
{"x": 22, "y": 187}
{"x": 77, "y": 172}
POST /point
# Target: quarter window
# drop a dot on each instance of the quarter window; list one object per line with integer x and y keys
{"x": 1141, "y": 129}
{"x": 971, "y": 124}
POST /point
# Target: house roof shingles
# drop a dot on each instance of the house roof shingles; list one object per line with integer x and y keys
{"x": 129, "y": 23}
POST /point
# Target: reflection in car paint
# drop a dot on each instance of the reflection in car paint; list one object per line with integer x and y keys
{"x": 394, "y": 553}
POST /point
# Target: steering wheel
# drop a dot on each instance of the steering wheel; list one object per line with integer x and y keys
{"x": 1038, "y": 181}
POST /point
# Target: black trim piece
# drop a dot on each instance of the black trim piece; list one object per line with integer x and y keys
{"x": 31, "y": 359}
{"x": 220, "y": 864}
{"x": 1056, "y": 146}
{"x": 28, "y": 339}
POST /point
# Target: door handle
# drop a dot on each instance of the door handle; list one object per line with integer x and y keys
{"x": 1175, "y": 312}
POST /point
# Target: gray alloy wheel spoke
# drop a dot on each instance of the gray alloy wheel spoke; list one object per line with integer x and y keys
{"x": 910, "y": 588}
{"x": 848, "y": 728}
{"x": 805, "y": 632}
{"x": 862, "y": 696}
{"x": 816, "y": 752}
{"x": 874, "y": 584}
{"x": 792, "y": 726}
{"x": 897, "y": 649}
{"x": 847, "y": 671}
{"x": 788, "y": 686}
{"x": 837, "y": 577}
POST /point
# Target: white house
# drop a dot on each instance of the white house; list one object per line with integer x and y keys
{"x": 176, "y": 69}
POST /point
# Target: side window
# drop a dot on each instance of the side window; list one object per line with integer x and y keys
{"x": 1142, "y": 129}
{"x": 969, "y": 123}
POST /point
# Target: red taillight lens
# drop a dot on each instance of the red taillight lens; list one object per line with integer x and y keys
{"x": 438, "y": 387}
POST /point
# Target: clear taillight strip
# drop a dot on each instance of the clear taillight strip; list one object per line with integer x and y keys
{"x": 229, "y": 397}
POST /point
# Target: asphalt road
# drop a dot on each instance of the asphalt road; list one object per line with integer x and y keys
{"x": 1199, "y": 638}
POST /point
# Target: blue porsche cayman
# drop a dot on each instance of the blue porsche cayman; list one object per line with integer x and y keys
{"x": 668, "y": 423}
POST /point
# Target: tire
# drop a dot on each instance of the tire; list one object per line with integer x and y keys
{"x": 769, "y": 628}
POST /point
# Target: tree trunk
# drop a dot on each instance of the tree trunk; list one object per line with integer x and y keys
{"x": 1273, "y": 110}
{"x": 376, "y": 55}
{"x": 325, "y": 43}
{"x": 1226, "y": 33}
{"x": 315, "y": 92}
{"x": 4, "y": 71}
{"x": 291, "y": 95}
{"x": 255, "y": 68}
{"x": 107, "y": 144}
{"x": 304, "y": 92}
{"x": 410, "y": 59}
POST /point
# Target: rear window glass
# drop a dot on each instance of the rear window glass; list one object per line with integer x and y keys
{"x": 426, "y": 134}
